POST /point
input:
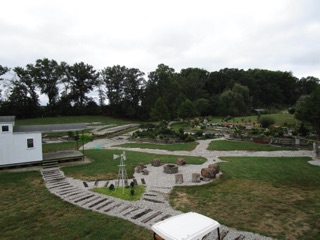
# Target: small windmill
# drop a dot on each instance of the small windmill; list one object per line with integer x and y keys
{"x": 122, "y": 173}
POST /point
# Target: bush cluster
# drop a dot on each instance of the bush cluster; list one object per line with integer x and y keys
{"x": 162, "y": 132}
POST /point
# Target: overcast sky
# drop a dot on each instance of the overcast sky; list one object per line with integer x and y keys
{"x": 210, "y": 34}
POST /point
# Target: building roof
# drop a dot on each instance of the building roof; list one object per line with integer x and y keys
{"x": 7, "y": 119}
{"x": 50, "y": 128}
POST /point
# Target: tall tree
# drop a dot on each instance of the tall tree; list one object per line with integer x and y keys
{"x": 125, "y": 88}
{"x": 305, "y": 86}
{"x": 309, "y": 111}
{"x": 47, "y": 75}
{"x": 83, "y": 78}
{"x": 19, "y": 103}
{"x": 192, "y": 82}
{"x": 236, "y": 101}
{"x": 134, "y": 86}
{"x": 160, "y": 111}
{"x": 162, "y": 83}
{"x": 272, "y": 88}
{"x": 202, "y": 106}
{"x": 187, "y": 110}
{"x": 222, "y": 80}
{"x": 26, "y": 79}
{"x": 114, "y": 80}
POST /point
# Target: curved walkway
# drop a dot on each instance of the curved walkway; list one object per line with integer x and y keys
{"x": 153, "y": 206}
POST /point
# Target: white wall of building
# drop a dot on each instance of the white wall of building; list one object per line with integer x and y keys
{"x": 14, "y": 147}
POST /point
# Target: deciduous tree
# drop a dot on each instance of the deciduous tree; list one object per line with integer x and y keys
{"x": 47, "y": 75}
{"x": 236, "y": 101}
{"x": 309, "y": 111}
{"x": 125, "y": 87}
{"x": 83, "y": 78}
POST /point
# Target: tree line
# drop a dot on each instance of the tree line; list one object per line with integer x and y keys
{"x": 129, "y": 92}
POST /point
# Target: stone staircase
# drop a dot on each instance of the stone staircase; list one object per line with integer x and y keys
{"x": 50, "y": 163}
{"x": 83, "y": 197}
{"x": 153, "y": 206}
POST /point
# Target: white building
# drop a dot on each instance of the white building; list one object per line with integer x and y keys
{"x": 22, "y": 145}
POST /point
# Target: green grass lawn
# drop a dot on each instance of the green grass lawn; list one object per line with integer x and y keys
{"x": 277, "y": 197}
{"x": 123, "y": 193}
{"x": 104, "y": 167}
{"x": 223, "y": 145}
{"x": 280, "y": 119}
{"x": 29, "y": 211}
{"x": 170, "y": 147}
{"x": 177, "y": 125}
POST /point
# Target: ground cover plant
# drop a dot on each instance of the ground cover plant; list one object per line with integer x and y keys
{"x": 104, "y": 167}
{"x": 224, "y": 145}
{"x": 170, "y": 147}
{"x": 123, "y": 193}
{"x": 277, "y": 197}
{"x": 29, "y": 211}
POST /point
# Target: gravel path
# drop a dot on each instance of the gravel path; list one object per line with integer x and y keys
{"x": 153, "y": 206}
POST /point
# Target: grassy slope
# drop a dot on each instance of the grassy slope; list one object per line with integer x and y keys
{"x": 280, "y": 118}
{"x": 29, "y": 211}
{"x": 277, "y": 197}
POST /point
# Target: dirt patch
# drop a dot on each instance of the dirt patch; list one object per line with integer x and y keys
{"x": 181, "y": 199}
{"x": 35, "y": 181}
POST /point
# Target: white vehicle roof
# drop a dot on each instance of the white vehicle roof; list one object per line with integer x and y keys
{"x": 187, "y": 226}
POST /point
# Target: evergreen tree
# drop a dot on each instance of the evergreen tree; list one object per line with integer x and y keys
{"x": 160, "y": 111}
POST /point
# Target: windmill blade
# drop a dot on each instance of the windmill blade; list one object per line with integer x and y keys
{"x": 115, "y": 156}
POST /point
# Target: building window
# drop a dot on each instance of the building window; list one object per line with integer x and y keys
{"x": 30, "y": 143}
{"x": 5, "y": 128}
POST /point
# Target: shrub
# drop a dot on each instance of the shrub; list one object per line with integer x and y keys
{"x": 199, "y": 133}
{"x": 209, "y": 135}
{"x": 190, "y": 138}
{"x": 132, "y": 184}
{"x": 85, "y": 137}
{"x": 292, "y": 110}
{"x": 132, "y": 191}
{"x": 111, "y": 187}
{"x": 266, "y": 121}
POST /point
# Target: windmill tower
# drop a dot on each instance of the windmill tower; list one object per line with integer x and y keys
{"x": 122, "y": 173}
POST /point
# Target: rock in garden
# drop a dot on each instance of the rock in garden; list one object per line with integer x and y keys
{"x": 208, "y": 172}
{"x": 156, "y": 162}
{"x": 215, "y": 167}
{"x": 181, "y": 161}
